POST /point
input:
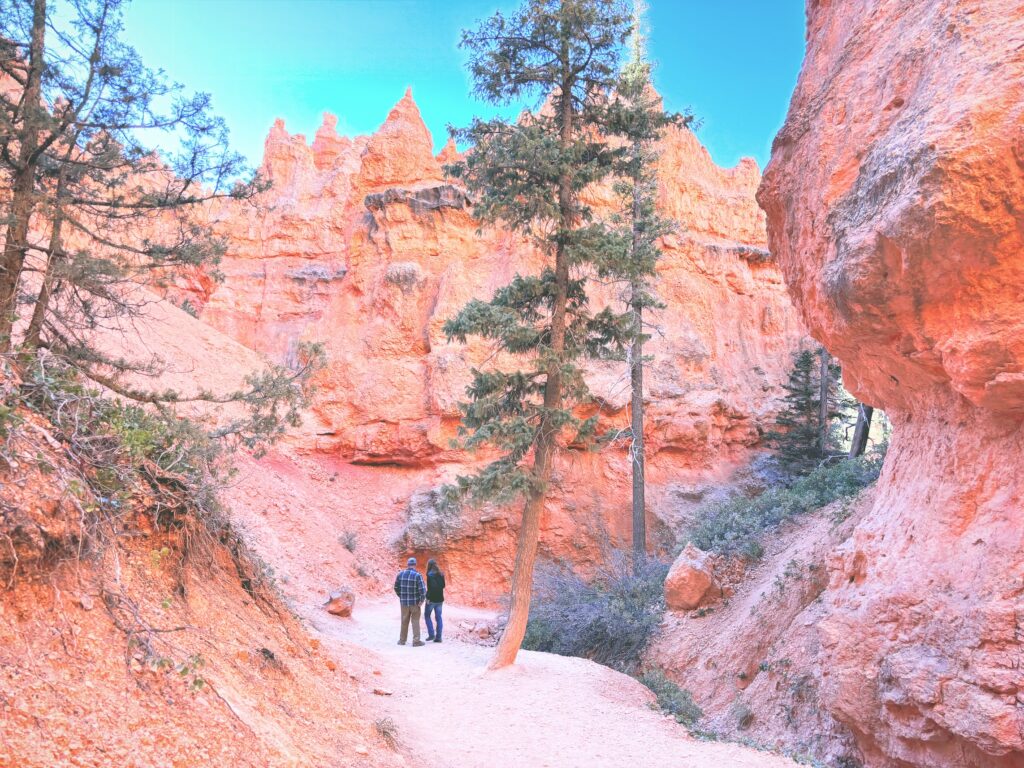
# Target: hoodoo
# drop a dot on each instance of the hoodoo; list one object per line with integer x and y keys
{"x": 369, "y": 249}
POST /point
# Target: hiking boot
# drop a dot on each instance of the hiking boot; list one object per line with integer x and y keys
{"x": 401, "y": 642}
{"x": 429, "y": 638}
{"x": 417, "y": 643}
{"x": 437, "y": 639}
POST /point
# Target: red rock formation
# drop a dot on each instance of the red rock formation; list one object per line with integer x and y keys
{"x": 364, "y": 247}
{"x": 895, "y": 200}
{"x": 401, "y": 151}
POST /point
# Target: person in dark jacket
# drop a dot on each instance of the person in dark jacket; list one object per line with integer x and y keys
{"x": 435, "y": 600}
{"x": 411, "y": 591}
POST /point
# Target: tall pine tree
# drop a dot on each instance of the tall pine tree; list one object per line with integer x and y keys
{"x": 528, "y": 175}
{"x": 796, "y": 438}
{"x": 637, "y": 118}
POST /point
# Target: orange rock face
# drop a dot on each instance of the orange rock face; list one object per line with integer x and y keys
{"x": 172, "y": 654}
{"x": 363, "y": 246}
{"x": 895, "y": 201}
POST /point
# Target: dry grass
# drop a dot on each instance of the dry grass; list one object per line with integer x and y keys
{"x": 387, "y": 730}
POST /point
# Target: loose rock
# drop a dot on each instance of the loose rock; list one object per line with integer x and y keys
{"x": 690, "y": 581}
{"x": 341, "y": 602}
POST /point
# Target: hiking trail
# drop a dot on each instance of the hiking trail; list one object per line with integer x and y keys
{"x": 546, "y": 711}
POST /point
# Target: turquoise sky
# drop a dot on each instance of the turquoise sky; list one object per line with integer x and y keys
{"x": 733, "y": 61}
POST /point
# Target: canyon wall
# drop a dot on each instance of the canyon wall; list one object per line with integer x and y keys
{"x": 362, "y": 245}
{"x": 895, "y": 202}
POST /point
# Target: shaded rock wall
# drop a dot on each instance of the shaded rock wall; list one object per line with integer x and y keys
{"x": 895, "y": 201}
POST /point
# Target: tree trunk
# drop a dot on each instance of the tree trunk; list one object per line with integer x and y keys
{"x": 824, "y": 395}
{"x": 526, "y": 556}
{"x": 862, "y": 430}
{"x": 544, "y": 444}
{"x": 636, "y": 381}
{"x": 54, "y": 257}
{"x": 22, "y": 201}
{"x": 637, "y": 447}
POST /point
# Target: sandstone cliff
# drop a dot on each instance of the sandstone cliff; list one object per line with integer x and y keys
{"x": 895, "y": 201}
{"x": 363, "y": 246}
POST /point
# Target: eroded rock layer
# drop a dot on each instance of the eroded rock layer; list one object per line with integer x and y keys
{"x": 364, "y": 246}
{"x": 895, "y": 201}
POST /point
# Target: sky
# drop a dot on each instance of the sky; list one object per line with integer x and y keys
{"x": 733, "y": 62}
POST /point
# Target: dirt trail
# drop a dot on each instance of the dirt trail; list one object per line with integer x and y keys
{"x": 546, "y": 711}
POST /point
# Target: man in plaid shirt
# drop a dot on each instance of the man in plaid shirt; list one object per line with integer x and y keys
{"x": 411, "y": 591}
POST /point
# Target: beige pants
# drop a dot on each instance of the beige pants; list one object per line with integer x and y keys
{"x": 410, "y": 613}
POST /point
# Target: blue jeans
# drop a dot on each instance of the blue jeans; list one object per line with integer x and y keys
{"x": 436, "y": 608}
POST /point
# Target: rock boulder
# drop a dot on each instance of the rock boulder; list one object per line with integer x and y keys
{"x": 690, "y": 581}
{"x": 341, "y": 602}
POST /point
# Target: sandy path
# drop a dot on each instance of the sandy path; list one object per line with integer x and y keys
{"x": 546, "y": 711}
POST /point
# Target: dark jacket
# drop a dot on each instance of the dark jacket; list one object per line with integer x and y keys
{"x": 435, "y": 587}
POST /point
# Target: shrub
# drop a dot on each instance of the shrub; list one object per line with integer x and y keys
{"x": 133, "y": 452}
{"x": 743, "y": 715}
{"x": 608, "y": 620}
{"x": 672, "y": 699}
{"x": 404, "y": 274}
{"x": 126, "y": 447}
{"x": 387, "y": 729}
{"x": 735, "y": 526}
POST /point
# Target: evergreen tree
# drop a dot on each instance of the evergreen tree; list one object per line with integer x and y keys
{"x": 809, "y": 425}
{"x": 638, "y": 119}
{"x": 93, "y": 212}
{"x": 797, "y": 436}
{"x": 94, "y": 215}
{"x": 528, "y": 175}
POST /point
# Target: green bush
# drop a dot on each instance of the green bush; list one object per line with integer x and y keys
{"x": 608, "y": 620}
{"x": 735, "y": 526}
{"x": 672, "y": 699}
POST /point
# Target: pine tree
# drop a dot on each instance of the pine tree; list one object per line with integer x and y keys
{"x": 93, "y": 212}
{"x": 94, "y": 216}
{"x": 798, "y": 428}
{"x": 528, "y": 175}
{"x": 638, "y": 119}
{"x": 815, "y": 409}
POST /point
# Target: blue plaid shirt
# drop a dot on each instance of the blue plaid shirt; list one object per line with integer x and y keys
{"x": 409, "y": 587}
